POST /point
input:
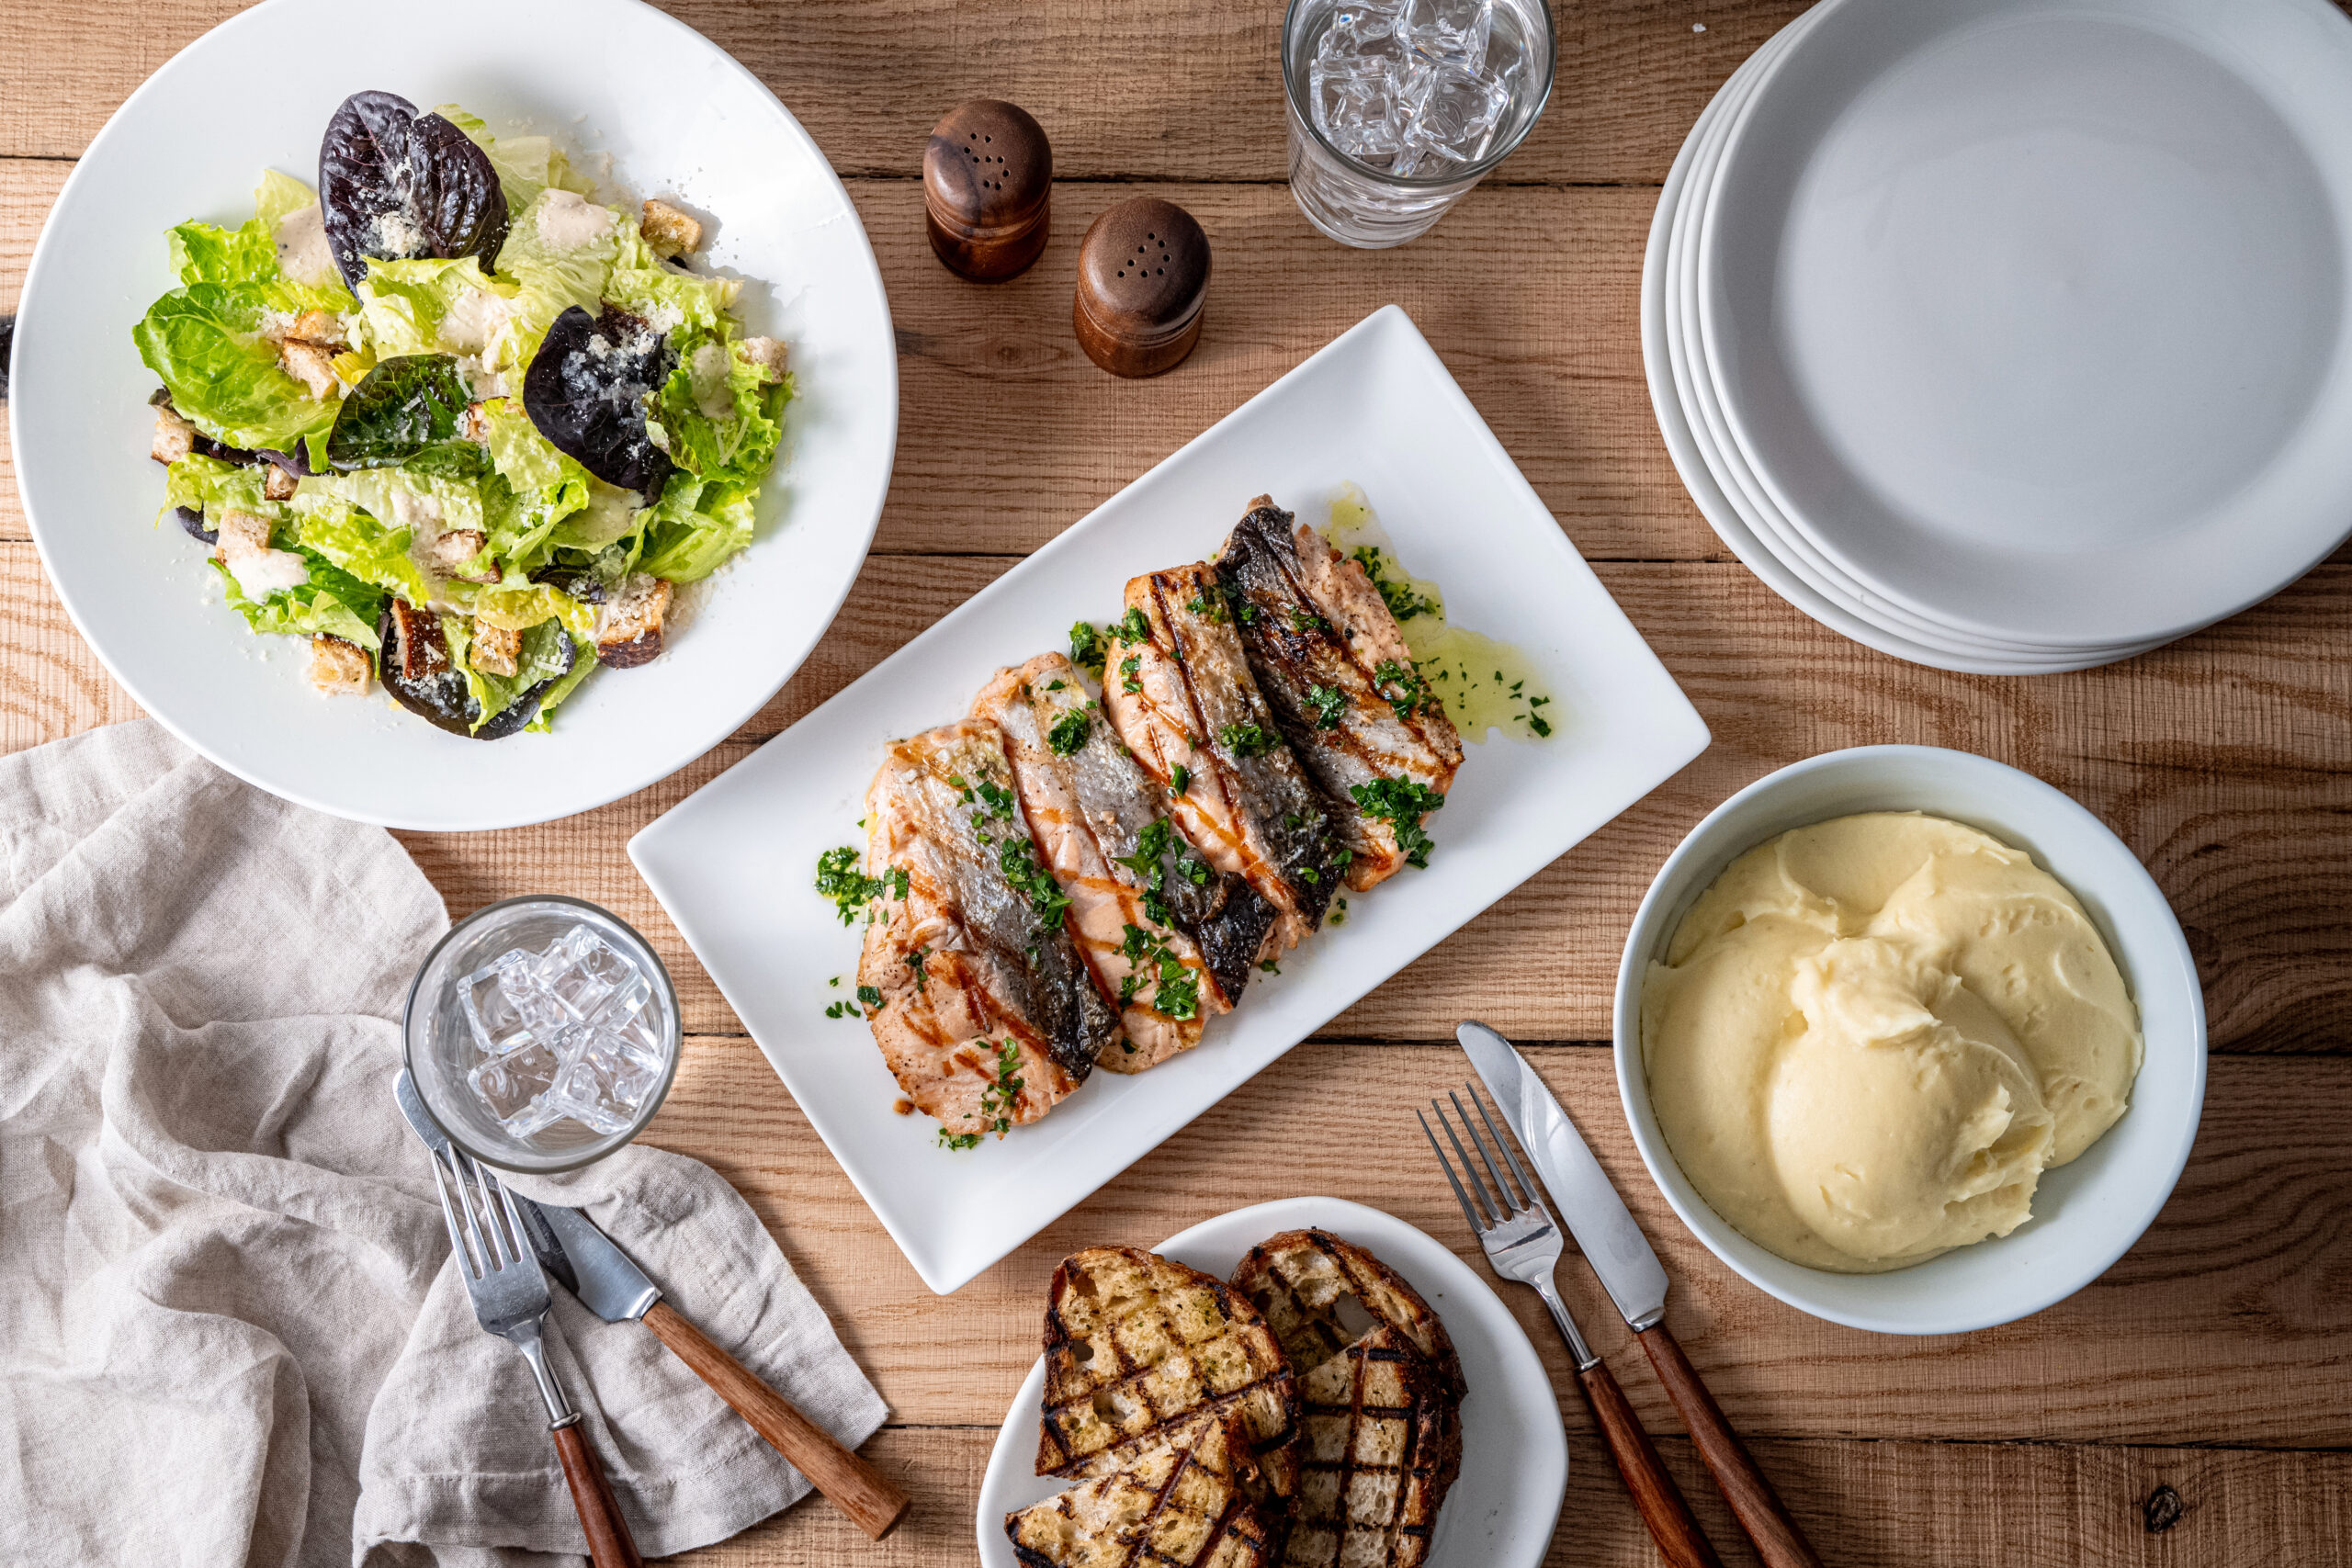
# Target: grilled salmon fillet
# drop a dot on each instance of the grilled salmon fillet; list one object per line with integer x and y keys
{"x": 1382, "y": 1447}
{"x": 1104, "y": 824}
{"x": 1185, "y": 1502}
{"x": 1178, "y": 689}
{"x": 989, "y": 1017}
{"x": 1138, "y": 1348}
{"x": 1333, "y": 666}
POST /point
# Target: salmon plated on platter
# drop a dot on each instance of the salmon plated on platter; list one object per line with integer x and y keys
{"x": 1084, "y": 872}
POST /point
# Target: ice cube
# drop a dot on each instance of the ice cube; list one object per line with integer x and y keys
{"x": 514, "y": 1087}
{"x": 1453, "y": 32}
{"x": 1359, "y": 107}
{"x": 497, "y": 1024}
{"x": 579, "y": 970}
{"x": 599, "y": 1091}
{"x": 626, "y": 1000}
{"x": 1452, "y": 113}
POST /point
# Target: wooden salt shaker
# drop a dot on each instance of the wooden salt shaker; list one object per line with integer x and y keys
{"x": 987, "y": 180}
{"x": 1143, "y": 273}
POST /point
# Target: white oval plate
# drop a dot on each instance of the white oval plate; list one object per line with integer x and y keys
{"x": 1514, "y": 1454}
{"x": 678, "y": 118}
{"x": 2032, "y": 315}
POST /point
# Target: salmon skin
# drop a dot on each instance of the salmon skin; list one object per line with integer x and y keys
{"x": 1333, "y": 666}
{"x": 1178, "y": 689}
{"x": 988, "y": 1018}
{"x": 1103, "y": 822}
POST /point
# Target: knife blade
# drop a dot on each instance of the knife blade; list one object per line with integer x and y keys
{"x": 1589, "y": 1204}
{"x": 592, "y": 1267}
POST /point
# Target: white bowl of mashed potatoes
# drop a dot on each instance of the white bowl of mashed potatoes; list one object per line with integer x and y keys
{"x": 1910, "y": 1039}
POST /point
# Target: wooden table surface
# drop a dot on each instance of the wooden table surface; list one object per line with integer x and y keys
{"x": 2194, "y": 1406}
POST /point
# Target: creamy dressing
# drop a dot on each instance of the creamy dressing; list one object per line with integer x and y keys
{"x": 708, "y": 372}
{"x": 474, "y": 318}
{"x": 608, "y": 514}
{"x": 304, "y": 254}
{"x": 260, "y": 573}
{"x": 569, "y": 220}
{"x": 1484, "y": 684}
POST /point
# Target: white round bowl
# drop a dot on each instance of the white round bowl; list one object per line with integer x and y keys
{"x": 2086, "y": 1214}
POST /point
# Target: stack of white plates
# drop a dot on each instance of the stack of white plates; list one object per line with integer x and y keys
{"x": 2011, "y": 335}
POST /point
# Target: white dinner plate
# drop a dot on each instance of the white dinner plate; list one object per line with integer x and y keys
{"x": 1514, "y": 1457}
{"x": 1711, "y": 437}
{"x": 677, "y": 116}
{"x": 734, "y": 863}
{"x": 2030, "y": 314}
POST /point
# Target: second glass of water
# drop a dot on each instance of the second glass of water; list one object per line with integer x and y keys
{"x": 1398, "y": 107}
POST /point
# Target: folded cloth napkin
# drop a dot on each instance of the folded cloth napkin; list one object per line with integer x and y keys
{"x": 230, "y": 1332}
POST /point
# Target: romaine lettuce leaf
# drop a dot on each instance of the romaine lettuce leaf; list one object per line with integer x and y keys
{"x": 718, "y": 416}
{"x": 525, "y": 165}
{"x": 583, "y": 666}
{"x": 202, "y": 342}
{"x": 279, "y": 198}
{"x": 684, "y": 305}
{"x": 696, "y": 525}
{"x": 611, "y": 514}
{"x": 432, "y": 306}
{"x": 211, "y": 486}
{"x": 550, "y": 280}
{"x": 333, "y": 602}
{"x": 524, "y": 457}
{"x": 330, "y": 526}
{"x": 402, "y": 498}
{"x": 542, "y": 657}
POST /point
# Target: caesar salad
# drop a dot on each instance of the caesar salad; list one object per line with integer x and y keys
{"x": 461, "y": 424}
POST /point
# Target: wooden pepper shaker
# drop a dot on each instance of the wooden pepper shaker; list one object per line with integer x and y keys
{"x": 987, "y": 181}
{"x": 1143, "y": 273}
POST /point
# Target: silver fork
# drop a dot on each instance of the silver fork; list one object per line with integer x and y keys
{"x": 1523, "y": 1244}
{"x": 510, "y": 1297}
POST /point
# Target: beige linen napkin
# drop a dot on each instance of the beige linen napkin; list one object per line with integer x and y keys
{"x": 228, "y": 1329}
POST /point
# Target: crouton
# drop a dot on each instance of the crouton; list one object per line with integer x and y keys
{"x": 453, "y": 549}
{"x": 669, "y": 231}
{"x": 311, "y": 364}
{"x": 241, "y": 534}
{"x": 317, "y": 327}
{"x": 175, "y": 438}
{"x": 339, "y": 667}
{"x": 767, "y": 353}
{"x": 276, "y": 484}
{"x": 628, "y": 628}
{"x": 495, "y": 649}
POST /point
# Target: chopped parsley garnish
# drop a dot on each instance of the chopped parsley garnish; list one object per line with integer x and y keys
{"x": 914, "y": 961}
{"x": 843, "y": 1009}
{"x": 851, "y": 890}
{"x": 1339, "y": 915}
{"x": 1208, "y": 604}
{"x": 996, "y": 801}
{"x": 1180, "y": 779}
{"x": 1176, "y": 990}
{"x": 1017, "y": 858}
{"x": 999, "y": 1098}
{"x": 1402, "y": 803}
{"x": 1129, "y": 677}
{"x": 948, "y": 1140}
{"x": 1270, "y": 967}
{"x": 1247, "y": 740}
{"x": 1402, "y": 602}
{"x": 1132, "y": 629}
{"x": 1331, "y": 705}
{"x": 1150, "y": 863}
{"x": 1307, "y": 621}
{"x": 1086, "y": 649}
{"x": 1538, "y": 723}
{"x": 1404, "y": 688}
{"x": 870, "y": 995}
{"x": 1056, "y": 684}
{"x": 1068, "y": 737}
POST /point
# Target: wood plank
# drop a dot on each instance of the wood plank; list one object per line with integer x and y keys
{"x": 2237, "y": 1287}
{"x": 1866, "y": 1505}
{"x": 2226, "y": 766}
{"x": 1127, "y": 88}
{"x": 1009, "y": 433}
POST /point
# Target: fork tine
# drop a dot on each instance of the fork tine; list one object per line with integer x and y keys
{"x": 449, "y": 1217}
{"x": 1476, "y": 1228}
{"x": 1534, "y": 1195}
{"x": 1502, "y": 1210}
{"x": 1511, "y": 1203}
{"x": 469, "y": 1199}
{"x": 514, "y": 1221}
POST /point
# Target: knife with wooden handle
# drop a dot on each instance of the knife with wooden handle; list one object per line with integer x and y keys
{"x": 1629, "y": 1270}
{"x": 592, "y": 1266}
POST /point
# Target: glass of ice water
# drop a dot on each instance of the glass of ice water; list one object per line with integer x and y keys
{"x": 542, "y": 1033}
{"x": 1398, "y": 107}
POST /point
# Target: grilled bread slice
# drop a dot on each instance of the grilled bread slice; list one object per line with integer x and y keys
{"x": 1380, "y": 1447}
{"x": 1305, "y": 1283}
{"x": 1189, "y": 1501}
{"x": 1138, "y": 1348}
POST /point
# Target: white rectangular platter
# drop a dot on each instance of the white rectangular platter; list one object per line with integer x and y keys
{"x": 734, "y": 865}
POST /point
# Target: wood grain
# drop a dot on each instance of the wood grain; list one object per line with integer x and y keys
{"x": 1779, "y": 1540}
{"x": 1868, "y": 1505}
{"x": 2239, "y": 1284}
{"x": 1649, "y": 1486}
{"x": 610, "y": 1545}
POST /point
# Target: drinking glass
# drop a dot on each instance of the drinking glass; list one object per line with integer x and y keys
{"x": 1398, "y": 107}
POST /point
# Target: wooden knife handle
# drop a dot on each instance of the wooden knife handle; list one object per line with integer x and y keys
{"x": 1758, "y": 1507}
{"x": 1654, "y": 1493}
{"x": 853, "y": 1486}
{"x": 609, "y": 1543}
